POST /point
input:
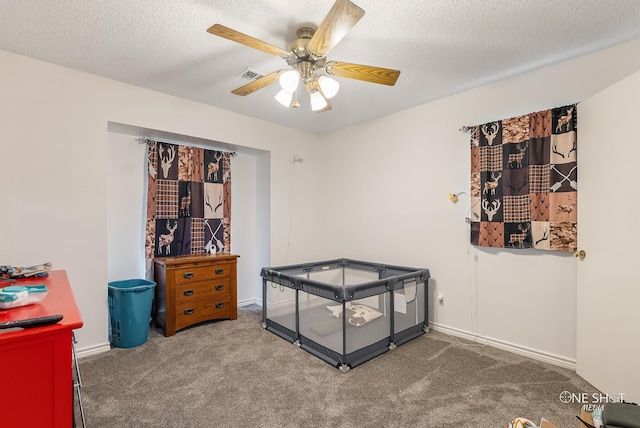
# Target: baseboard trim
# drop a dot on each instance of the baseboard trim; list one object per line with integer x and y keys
{"x": 93, "y": 350}
{"x": 535, "y": 354}
{"x": 248, "y": 302}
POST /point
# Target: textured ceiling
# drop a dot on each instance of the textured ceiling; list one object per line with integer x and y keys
{"x": 442, "y": 47}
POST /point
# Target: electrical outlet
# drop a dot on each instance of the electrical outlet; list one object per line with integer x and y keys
{"x": 440, "y": 298}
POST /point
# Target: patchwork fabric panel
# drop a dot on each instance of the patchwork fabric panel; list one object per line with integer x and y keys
{"x": 188, "y": 201}
{"x": 491, "y": 158}
{"x": 491, "y": 234}
{"x": 539, "y": 206}
{"x": 197, "y": 235}
{"x": 524, "y": 181}
{"x": 540, "y": 234}
{"x": 539, "y": 178}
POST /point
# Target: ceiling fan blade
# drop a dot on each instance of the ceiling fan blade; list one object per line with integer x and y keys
{"x": 340, "y": 19}
{"x": 238, "y": 37}
{"x": 385, "y": 76}
{"x": 314, "y": 86}
{"x": 258, "y": 83}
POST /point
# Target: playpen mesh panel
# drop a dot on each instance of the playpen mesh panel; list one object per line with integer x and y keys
{"x": 409, "y": 306}
{"x": 360, "y": 335}
{"x": 317, "y": 324}
{"x": 281, "y": 305}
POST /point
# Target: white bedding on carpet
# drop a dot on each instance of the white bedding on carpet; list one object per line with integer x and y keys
{"x": 357, "y": 315}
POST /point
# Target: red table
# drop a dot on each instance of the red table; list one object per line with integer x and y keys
{"x": 36, "y": 377}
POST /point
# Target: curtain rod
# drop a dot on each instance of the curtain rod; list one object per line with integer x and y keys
{"x": 145, "y": 140}
{"x": 466, "y": 129}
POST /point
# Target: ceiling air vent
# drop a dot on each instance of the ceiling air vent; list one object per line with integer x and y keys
{"x": 250, "y": 74}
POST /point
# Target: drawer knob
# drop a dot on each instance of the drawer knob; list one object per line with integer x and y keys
{"x": 219, "y": 287}
{"x": 188, "y": 311}
{"x": 188, "y": 275}
{"x": 219, "y": 305}
{"x": 188, "y": 292}
{"x": 219, "y": 271}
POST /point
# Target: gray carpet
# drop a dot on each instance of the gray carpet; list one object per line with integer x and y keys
{"x": 235, "y": 374}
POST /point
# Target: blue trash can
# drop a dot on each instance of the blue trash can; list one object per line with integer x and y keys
{"x": 130, "y": 304}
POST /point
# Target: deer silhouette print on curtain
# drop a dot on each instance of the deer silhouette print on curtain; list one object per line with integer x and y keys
{"x": 524, "y": 188}
{"x": 188, "y": 201}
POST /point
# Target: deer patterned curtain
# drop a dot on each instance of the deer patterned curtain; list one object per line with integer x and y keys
{"x": 524, "y": 187}
{"x": 188, "y": 201}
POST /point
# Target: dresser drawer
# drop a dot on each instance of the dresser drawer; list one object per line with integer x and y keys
{"x": 189, "y": 314}
{"x": 216, "y": 289}
{"x": 203, "y": 273}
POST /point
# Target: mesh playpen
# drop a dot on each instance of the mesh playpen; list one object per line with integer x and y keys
{"x": 343, "y": 311}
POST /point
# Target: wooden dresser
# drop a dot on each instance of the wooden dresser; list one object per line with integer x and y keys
{"x": 194, "y": 288}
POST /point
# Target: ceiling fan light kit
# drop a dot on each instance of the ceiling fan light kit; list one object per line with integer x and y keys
{"x": 289, "y": 80}
{"x": 307, "y": 58}
{"x": 329, "y": 86}
{"x": 318, "y": 102}
{"x": 285, "y": 98}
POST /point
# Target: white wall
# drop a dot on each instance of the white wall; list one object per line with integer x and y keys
{"x": 389, "y": 187}
{"x": 243, "y": 216}
{"x": 127, "y": 209}
{"x": 376, "y": 192}
{"x": 58, "y": 163}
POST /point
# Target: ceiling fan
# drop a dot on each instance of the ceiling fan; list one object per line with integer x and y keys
{"x": 307, "y": 57}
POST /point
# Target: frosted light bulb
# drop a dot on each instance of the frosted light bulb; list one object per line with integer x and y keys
{"x": 289, "y": 80}
{"x": 317, "y": 101}
{"x": 329, "y": 86}
{"x": 284, "y": 97}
